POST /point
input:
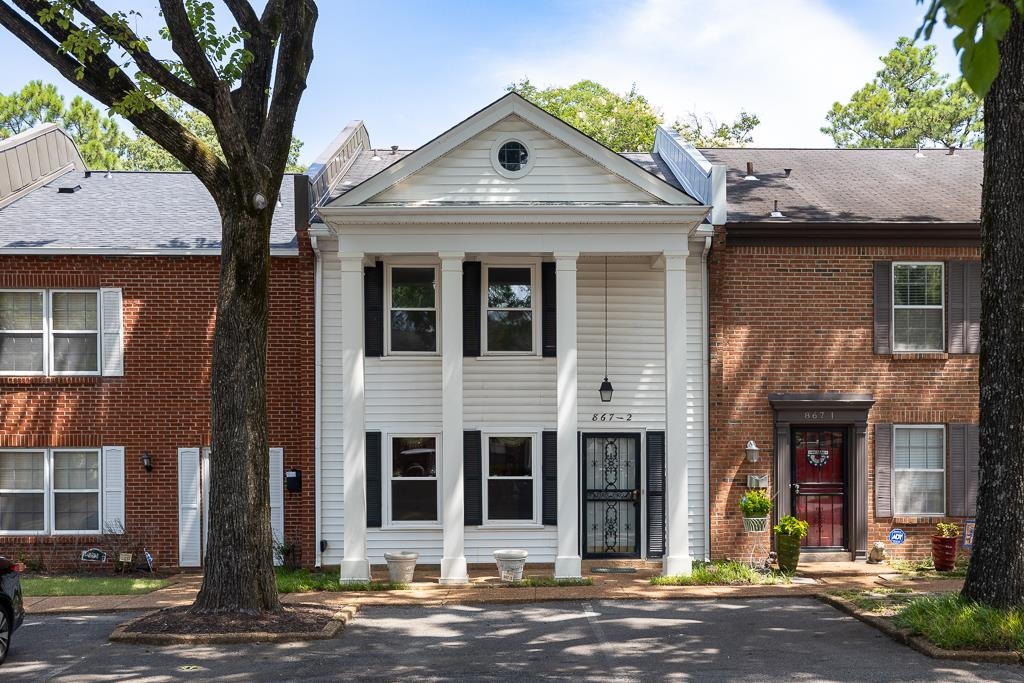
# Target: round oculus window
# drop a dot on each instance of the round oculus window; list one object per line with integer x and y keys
{"x": 513, "y": 156}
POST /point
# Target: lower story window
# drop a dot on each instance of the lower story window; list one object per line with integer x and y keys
{"x": 45, "y": 491}
{"x": 919, "y": 470}
{"x": 414, "y": 479}
{"x": 510, "y": 478}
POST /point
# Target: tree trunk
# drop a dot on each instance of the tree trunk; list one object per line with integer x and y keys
{"x": 239, "y": 570}
{"x": 996, "y": 572}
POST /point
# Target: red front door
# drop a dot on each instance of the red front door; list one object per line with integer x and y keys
{"x": 819, "y": 484}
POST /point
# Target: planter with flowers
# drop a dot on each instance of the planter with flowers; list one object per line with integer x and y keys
{"x": 755, "y": 506}
{"x": 788, "y": 534}
{"x": 944, "y": 546}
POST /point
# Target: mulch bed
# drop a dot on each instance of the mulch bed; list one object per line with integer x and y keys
{"x": 298, "y": 618}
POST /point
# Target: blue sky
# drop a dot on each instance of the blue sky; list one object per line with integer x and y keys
{"x": 411, "y": 69}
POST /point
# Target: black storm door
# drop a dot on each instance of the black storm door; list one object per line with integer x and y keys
{"x": 611, "y": 495}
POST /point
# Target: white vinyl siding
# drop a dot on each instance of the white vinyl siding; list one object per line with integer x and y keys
{"x": 919, "y": 470}
{"x": 332, "y": 481}
{"x": 556, "y": 173}
{"x": 918, "y": 321}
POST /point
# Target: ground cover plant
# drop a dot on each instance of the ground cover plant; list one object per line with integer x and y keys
{"x": 305, "y": 581}
{"x": 955, "y": 623}
{"x": 50, "y": 586}
{"x": 545, "y": 582}
{"x": 721, "y": 573}
{"x": 925, "y": 568}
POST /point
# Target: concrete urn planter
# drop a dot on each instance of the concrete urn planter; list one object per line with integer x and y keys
{"x": 401, "y": 566}
{"x": 510, "y": 563}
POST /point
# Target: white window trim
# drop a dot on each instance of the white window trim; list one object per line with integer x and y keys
{"x": 893, "y": 306}
{"x": 387, "y": 463}
{"x": 98, "y": 332}
{"x": 535, "y": 306}
{"x": 530, "y": 156}
{"x": 45, "y": 333}
{"x": 48, "y": 491}
{"x": 388, "y": 267}
{"x": 535, "y": 475}
{"x": 895, "y": 503}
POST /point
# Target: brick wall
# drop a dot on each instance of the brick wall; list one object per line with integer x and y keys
{"x": 162, "y": 401}
{"x": 799, "y": 319}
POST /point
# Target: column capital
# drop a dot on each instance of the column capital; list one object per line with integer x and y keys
{"x": 351, "y": 261}
{"x": 451, "y": 260}
{"x": 675, "y": 260}
{"x": 566, "y": 255}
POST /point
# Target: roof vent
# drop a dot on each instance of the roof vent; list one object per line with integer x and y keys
{"x": 919, "y": 154}
{"x": 375, "y": 157}
{"x": 952, "y": 151}
{"x": 68, "y": 189}
{"x": 775, "y": 212}
{"x": 787, "y": 171}
{"x": 750, "y": 171}
{"x": 394, "y": 150}
{"x": 88, "y": 174}
{"x": 108, "y": 174}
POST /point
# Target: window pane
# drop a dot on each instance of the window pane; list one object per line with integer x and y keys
{"x": 21, "y": 353}
{"x": 509, "y": 330}
{"x": 76, "y": 470}
{"x": 414, "y": 501}
{"x": 76, "y": 511}
{"x": 21, "y": 470}
{"x": 75, "y": 353}
{"x": 412, "y": 288}
{"x": 917, "y": 285}
{"x": 919, "y": 493}
{"x": 509, "y": 456}
{"x": 21, "y": 310}
{"x": 413, "y": 330}
{"x": 510, "y": 499}
{"x": 414, "y": 457}
{"x": 74, "y": 311}
{"x": 919, "y": 449}
{"x": 509, "y": 288}
{"x": 917, "y": 329}
{"x": 21, "y": 511}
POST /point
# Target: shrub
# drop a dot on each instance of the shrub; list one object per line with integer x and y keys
{"x": 945, "y": 530}
{"x": 756, "y": 503}
{"x": 791, "y": 526}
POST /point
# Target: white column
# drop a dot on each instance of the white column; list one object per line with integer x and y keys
{"x": 453, "y": 559}
{"x": 567, "y": 563}
{"x": 677, "y": 553}
{"x": 354, "y": 565}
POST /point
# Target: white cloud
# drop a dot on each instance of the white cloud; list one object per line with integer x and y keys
{"x": 786, "y": 60}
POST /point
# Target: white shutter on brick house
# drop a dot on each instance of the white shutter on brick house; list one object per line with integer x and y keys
{"x": 112, "y": 341}
{"x": 113, "y": 489}
{"x": 189, "y": 528}
{"x": 277, "y": 499}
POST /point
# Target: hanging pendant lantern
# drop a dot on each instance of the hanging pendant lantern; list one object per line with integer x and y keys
{"x": 606, "y": 391}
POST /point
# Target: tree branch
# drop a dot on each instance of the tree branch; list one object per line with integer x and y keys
{"x": 244, "y": 16}
{"x": 185, "y": 45}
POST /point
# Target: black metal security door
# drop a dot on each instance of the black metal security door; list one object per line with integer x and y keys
{"x": 611, "y": 495}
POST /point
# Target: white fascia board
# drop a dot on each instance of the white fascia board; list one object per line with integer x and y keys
{"x": 516, "y": 242}
{"x": 70, "y": 251}
{"x": 338, "y": 216}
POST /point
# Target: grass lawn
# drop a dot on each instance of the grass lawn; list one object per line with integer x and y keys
{"x": 721, "y": 573}
{"x": 50, "y": 586}
{"x": 304, "y": 581}
{"x": 924, "y": 569}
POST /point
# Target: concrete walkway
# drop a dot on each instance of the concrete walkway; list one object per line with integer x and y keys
{"x": 812, "y": 578}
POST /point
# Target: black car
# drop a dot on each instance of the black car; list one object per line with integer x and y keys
{"x": 12, "y": 612}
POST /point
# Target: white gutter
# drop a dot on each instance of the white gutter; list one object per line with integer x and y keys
{"x": 707, "y": 392}
{"x": 317, "y": 305}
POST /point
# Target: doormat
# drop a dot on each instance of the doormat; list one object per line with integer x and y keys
{"x": 613, "y": 570}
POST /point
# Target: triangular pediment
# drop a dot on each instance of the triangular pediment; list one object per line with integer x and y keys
{"x": 564, "y": 166}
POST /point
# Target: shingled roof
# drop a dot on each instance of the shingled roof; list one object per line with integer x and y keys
{"x": 852, "y": 185}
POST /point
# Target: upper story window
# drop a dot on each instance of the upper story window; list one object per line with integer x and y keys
{"x": 511, "y": 157}
{"x": 918, "y": 320}
{"x": 414, "y": 481}
{"x": 413, "y": 309}
{"x": 919, "y": 470}
{"x": 510, "y": 302}
{"x": 55, "y": 332}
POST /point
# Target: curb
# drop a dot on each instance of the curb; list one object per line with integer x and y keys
{"x": 337, "y": 623}
{"x": 918, "y": 643}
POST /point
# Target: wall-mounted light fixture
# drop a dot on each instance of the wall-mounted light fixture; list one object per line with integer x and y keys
{"x": 753, "y": 452}
{"x": 147, "y": 461}
{"x": 606, "y": 388}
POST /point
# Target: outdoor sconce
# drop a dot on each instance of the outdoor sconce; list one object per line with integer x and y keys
{"x": 606, "y": 391}
{"x": 753, "y": 452}
{"x": 147, "y": 461}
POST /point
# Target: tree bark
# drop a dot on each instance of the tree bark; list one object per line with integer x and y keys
{"x": 996, "y": 572}
{"x": 239, "y": 572}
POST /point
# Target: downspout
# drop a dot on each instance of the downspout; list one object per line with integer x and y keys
{"x": 317, "y": 305}
{"x": 707, "y": 391}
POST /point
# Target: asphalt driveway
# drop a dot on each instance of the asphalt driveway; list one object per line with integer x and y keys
{"x": 722, "y": 640}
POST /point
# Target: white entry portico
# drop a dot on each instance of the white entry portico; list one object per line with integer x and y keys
{"x": 517, "y": 284}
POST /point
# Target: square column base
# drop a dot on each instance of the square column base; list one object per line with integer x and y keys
{"x": 570, "y": 567}
{"x": 453, "y": 571}
{"x": 677, "y": 565}
{"x": 355, "y": 571}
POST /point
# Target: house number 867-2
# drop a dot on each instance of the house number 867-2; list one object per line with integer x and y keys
{"x": 612, "y": 417}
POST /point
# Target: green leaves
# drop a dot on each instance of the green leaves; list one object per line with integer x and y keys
{"x": 229, "y": 59}
{"x": 707, "y": 132}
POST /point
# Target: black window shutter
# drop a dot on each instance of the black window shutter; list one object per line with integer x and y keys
{"x": 883, "y": 470}
{"x": 883, "y": 307}
{"x": 549, "y": 474}
{"x": 373, "y": 298}
{"x": 971, "y": 467}
{"x": 471, "y": 297}
{"x": 549, "y": 310}
{"x": 972, "y": 295}
{"x": 957, "y": 470}
{"x": 956, "y": 316}
{"x": 655, "y": 494}
{"x": 472, "y": 479}
{"x": 373, "y": 480}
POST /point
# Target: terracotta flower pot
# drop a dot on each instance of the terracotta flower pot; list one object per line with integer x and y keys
{"x": 944, "y": 552}
{"x": 787, "y": 549}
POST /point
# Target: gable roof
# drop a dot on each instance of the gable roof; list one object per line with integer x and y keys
{"x": 389, "y": 174}
{"x": 852, "y": 185}
{"x": 34, "y": 157}
{"x": 128, "y": 212}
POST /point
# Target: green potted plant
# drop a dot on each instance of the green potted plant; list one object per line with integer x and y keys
{"x": 755, "y": 506}
{"x": 944, "y": 546}
{"x": 788, "y": 534}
